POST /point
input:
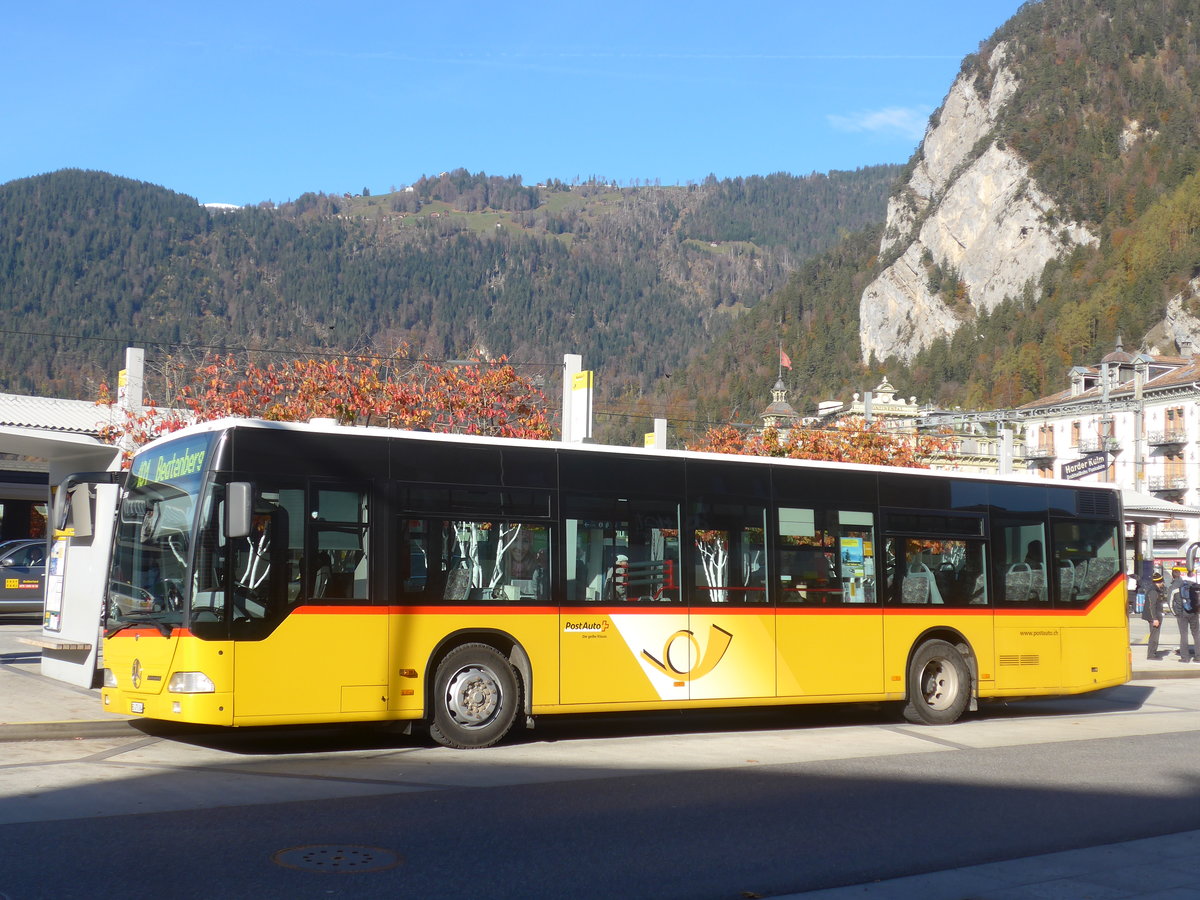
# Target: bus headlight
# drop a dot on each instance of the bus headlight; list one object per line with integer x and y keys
{"x": 191, "y": 683}
{"x": 110, "y": 680}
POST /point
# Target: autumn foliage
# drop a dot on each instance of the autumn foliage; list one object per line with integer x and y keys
{"x": 852, "y": 440}
{"x": 483, "y": 397}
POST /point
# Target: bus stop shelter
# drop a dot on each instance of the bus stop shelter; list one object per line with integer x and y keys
{"x": 1145, "y": 512}
{"x": 64, "y": 435}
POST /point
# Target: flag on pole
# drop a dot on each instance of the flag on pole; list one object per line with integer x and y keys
{"x": 784, "y": 359}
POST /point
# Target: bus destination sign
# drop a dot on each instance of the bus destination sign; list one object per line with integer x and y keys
{"x": 179, "y": 463}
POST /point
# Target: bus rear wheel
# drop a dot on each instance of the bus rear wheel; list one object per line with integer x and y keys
{"x": 475, "y": 697}
{"x": 939, "y": 685}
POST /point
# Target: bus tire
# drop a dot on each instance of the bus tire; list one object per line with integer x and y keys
{"x": 939, "y": 685}
{"x": 476, "y": 697}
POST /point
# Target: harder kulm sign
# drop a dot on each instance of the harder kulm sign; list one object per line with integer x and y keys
{"x": 1092, "y": 464}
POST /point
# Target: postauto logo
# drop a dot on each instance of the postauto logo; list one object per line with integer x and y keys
{"x": 712, "y": 653}
{"x": 585, "y": 627}
{"x": 684, "y": 643}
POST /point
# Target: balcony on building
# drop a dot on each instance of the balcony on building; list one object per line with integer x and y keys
{"x": 1168, "y": 483}
{"x": 1170, "y": 532}
{"x": 1166, "y": 438}
{"x": 972, "y": 446}
{"x": 1096, "y": 444}
{"x": 1040, "y": 453}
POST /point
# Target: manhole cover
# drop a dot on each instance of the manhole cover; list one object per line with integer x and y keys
{"x": 340, "y": 858}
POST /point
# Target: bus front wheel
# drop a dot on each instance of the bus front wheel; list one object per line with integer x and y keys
{"x": 475, "y": 697}
{"x": 939, "y": 685}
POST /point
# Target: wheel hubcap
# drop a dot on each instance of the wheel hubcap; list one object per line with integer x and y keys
{"x": 939, "y": 684}
{"x": 473, "y": 696}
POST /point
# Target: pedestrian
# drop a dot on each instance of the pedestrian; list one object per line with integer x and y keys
{"x": 1152, "y": 611}
{"x": 1187, "y": 612}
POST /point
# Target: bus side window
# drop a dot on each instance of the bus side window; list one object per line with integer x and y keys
{"x": 826, "y": 556}
{"x": 937, "y": 571}
{"x": 621, "y": 550}
{"x": 1086, "y": 558}
{"x": 483, "y": 561}
{"x": 338, "y": 562}
{"x": 265, "y": 564}
{"x": 729, "y": 552}
{"x": 414, "y": 558}
{"x": 856, "y": 555}
{"x": 1021, "y": 562}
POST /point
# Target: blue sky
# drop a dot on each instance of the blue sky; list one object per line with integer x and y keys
{"x": 252, "y": 101}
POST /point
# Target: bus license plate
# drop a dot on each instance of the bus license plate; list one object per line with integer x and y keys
{"x": 137, "y": 706}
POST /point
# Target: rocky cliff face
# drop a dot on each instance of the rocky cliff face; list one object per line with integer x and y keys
{"x": 1179, "y": 327}
{"x": 968, "y": 229}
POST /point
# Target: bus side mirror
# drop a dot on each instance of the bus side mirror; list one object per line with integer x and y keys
{"x": 238, "y": 509}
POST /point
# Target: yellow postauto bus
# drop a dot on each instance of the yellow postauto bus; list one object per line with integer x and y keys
{"x": 267, "y": 573}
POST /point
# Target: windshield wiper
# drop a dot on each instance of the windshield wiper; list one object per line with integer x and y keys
{"x": 163, "y": 628}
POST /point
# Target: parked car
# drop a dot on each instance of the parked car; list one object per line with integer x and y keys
{"x": 22, "y": 576}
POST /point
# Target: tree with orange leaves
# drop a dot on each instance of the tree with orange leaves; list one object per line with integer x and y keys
{"x": 483, "y": 397}
{"x": 851, "y": 440}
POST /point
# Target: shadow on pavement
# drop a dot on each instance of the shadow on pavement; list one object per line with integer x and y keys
{"x": 285, "y": 739}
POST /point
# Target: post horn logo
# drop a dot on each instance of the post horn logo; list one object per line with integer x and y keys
{"x": 718, "y": 643}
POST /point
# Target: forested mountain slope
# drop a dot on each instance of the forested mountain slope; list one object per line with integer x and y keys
{"x": 638, "y": 280}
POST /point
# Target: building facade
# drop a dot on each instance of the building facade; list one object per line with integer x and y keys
{"x": 978, "y": 443}
{"x": 1132, "y": 420}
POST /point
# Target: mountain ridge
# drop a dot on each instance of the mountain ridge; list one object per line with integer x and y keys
{"x": 638, "y": 280}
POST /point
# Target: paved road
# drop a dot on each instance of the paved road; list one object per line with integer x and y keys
{"x": 719, "y": 804}
{"x": 766, "y": 802}
{"x": 12, "y": 629}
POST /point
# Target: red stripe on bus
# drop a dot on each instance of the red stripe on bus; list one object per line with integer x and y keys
{"x": 449, "y": 610}
{"x": 146, "y": 632}
{"x": 363, "y": 610}
{"x": 640, "y": 610}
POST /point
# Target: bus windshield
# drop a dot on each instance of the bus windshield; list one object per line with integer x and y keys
{"x": 148, "y": 581}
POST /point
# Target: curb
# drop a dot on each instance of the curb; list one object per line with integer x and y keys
{"x": 79, "y": 729}
{"x": 1165, "y": 674}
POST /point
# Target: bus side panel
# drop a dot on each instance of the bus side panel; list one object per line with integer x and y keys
{"x": 1068, "y": 650}
{"x": 903, "y": 629}
{"x": 624, "y": 655}
{"x": 732, "y": 652}
{"x": 826, "y": 652}
{"x": 1029, "y": 650}
{"x": 418, "y": 632}
{"x": 320, "y": 664}
{"x": 1095, "y": 646}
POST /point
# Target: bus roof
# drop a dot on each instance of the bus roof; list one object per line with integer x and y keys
{"x": 331, "y": 427}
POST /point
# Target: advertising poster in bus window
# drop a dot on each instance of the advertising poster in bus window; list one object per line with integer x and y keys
{"x": 852, "y": 557}
{"x": 55, "y": 572}
{"x": 858, "y": 567}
